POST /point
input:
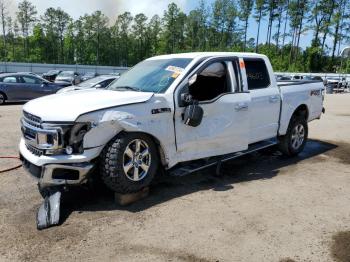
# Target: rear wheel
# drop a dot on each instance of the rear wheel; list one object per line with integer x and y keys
{"x": 2, "y": 98}
{"x": 129, "y": 163}
{"x": 294, "y": 141}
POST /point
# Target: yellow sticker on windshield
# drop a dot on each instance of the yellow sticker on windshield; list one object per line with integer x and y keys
{"x": 175, "y": 69}
{"x": 175, "y": 75}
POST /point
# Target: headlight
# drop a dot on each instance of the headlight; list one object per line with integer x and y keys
{"x": 76, "y": 137}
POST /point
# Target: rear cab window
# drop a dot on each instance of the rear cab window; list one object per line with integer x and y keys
{"x": 257, "y": 74}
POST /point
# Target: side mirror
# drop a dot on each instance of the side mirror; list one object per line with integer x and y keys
{"x": 186, "y": 99}
{"x": 44, "y": 83}
{"x": 193, "y": 115}
{"x": 192, "y": 80}
{"x": 98, "y": 86}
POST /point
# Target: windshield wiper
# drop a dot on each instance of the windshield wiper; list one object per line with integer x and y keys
{"x": 129, "y": 88}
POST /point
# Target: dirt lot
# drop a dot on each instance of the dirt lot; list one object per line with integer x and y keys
{"x": 264, "y": 208}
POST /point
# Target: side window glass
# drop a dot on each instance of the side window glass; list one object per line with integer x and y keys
{"x": 107, "y": 82}
{"x": 211, "y": 82}
{"x": 31, "y": 80}
{"x": 257, "y": 74}
{"x": 10, "y": 79}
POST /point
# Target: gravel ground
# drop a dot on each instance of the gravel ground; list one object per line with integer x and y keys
{"x": 264, "y": 208}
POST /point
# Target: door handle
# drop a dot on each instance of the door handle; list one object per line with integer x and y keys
{"x": 274, "y": 99}
{"x": 241, "y": 106}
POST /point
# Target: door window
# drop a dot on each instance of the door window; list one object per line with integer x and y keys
{"x": 257, "y": 73}
{"x": 31, "y": 80}
{"x": 211, "y": 82}
{"x": 9, "y": 79}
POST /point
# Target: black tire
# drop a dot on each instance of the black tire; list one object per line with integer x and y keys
{"x": 2, "y": 98}
{"x": 113, "y": 161}
{"x": 286, "y": 145}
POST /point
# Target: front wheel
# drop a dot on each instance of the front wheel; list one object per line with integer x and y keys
{"x": 129, "y": 163}
{"x": 294, "y": 141}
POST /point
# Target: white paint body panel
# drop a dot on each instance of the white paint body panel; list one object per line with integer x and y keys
{"x": 222, "y": 131}
{"x": 295, "y": 95}
{"x": 66, "y": 107}
{"x": 264, "y": 114}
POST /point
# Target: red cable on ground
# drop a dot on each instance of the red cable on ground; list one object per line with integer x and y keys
{"x": 12, "y": 168}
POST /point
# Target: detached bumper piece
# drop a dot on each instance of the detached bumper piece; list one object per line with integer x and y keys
{"x": 49, "y": 212}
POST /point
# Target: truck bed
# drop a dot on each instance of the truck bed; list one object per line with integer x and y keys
{"x": 299, "y": 92}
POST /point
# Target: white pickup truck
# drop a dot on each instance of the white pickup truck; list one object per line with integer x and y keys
{"x": 177, "y": 113}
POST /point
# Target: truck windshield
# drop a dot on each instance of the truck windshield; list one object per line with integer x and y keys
{"x": 151, "y": 75}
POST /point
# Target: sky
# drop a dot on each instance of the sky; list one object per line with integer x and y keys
{"x": 112, "y": 8}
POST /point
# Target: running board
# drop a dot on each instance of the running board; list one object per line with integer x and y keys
{"x": 190, "y": 167}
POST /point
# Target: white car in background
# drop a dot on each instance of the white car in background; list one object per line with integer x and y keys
{"x": 101, "y": 81}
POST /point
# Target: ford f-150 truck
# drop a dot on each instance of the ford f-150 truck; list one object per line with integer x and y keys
{"x": 174, "y": 112}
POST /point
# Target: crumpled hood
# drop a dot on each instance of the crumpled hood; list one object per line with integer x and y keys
{"x": 68, "y": 106}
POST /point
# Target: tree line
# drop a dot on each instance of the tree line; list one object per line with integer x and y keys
{"x": 221, "y": 25}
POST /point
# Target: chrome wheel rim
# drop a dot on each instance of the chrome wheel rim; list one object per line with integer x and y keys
{"x": 298, "y": 136}
{"x": 136, "y": 160}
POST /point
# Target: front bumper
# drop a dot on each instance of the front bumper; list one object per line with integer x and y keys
{"x": 59, "y": 169}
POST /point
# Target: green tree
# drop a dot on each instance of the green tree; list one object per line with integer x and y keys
{"x": 26, "y": 16}
{"x": 260, "y": 8}
{"x": 245, "y": 12}
{"x": 140, "y": 36}
{"x": 174, "y": 25}
{"x": 222, "y": 25}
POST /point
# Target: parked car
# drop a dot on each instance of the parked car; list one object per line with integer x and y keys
{"x": 297, "y": 77}
{"x": 115, "y": 74}
{"x": 283, "y": 78}
{"x": 69, "y": 77}
{"x": 51, "y": 75}
{"x": 178, "y": 113}
{"x": 88, "y": 75}
{"x": 314, "y": 78}
{"x": 98, "y": 82}
{"x": 24, "y": 87}
{"x": 30, "y": 73}
{"x": 337, "y": 84}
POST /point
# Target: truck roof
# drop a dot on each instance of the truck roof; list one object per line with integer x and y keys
{"x": 193, "y": 55}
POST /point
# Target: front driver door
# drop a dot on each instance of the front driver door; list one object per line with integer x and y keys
{"x": 224, "y": 128}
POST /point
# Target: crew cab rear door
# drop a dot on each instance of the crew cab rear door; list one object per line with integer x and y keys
{"x": 224, "y": 127}
{"x": 265, "y": 99}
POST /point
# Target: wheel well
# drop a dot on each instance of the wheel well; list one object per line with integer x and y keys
{"x": 302, "y": 111}
{"x": 4, "y": 95}
{"x": 156, "y": 141}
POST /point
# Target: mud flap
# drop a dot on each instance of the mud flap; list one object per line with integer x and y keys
{"x": 49, "y": 212}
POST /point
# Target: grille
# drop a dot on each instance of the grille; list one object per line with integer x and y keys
{"x": 32, "y": 119}
{"x": 34, "y": 150}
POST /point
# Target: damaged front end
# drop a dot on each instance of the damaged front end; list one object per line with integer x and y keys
{"x": 54, "y": 154}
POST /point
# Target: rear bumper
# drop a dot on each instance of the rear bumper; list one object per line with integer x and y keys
{"x": 59, "y": 170}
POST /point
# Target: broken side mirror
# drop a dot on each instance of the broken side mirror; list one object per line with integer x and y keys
{"x": 193, "y": 115}
{"x": 186, "y": 99}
